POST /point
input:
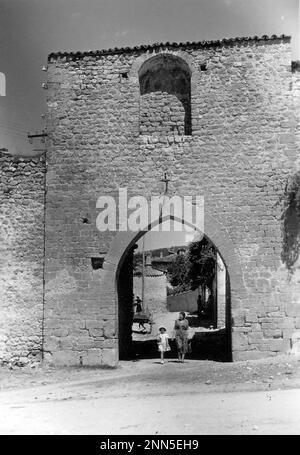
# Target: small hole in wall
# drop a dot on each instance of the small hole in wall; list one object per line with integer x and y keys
{"x": 295, "y": 66}
{"x": 203, "y": 67}
{"x": 124, "y": 75}
{"x": 85, "y": 220}
{"x": 97, "y": 263}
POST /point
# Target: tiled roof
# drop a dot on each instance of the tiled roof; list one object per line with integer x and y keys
{"x": 165, "y": 259}
{"x": 149, "y": 271}
{"x": 146, "y": 47}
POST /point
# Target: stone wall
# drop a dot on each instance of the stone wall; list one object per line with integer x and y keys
{"x": 292, "y": 213}
{"x": 161, "y": 113}
{"x": 295, "y": 122}
{"x": 22, "y": 193}
{"x": 240, "y": 155}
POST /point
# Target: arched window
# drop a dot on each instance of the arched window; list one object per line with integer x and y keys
{"x": 165, "y": 104}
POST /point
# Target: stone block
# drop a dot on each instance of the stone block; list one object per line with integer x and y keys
{"x": 66, "y": 358}
{"x": 255, "y": 337}
{"x": 239, "y": 341}
{"x": 60, "y": 332}
{"x": 288, "y": 323}
{"x": 109, "y": 357}
{"x": 94, "y": 324}
{"x": 92, "y": 357}
{"x": 249, "y": 355}
{"x": 251, "y": 317}
{"x": 84, "y": 344}
{"x": 99, "y": 343}
{"x": 48, "y": 358}
{"x": 239, "y": 320}
{"x": 287, "y": 138}
{"x": 51, "y": 343}
{"x": 23, "y": 361}
{"x": 110, "y": 343}
{"x": 243, "y": 329}
{"x": 274, "y": 333}
{"x": 279, "y": 345}
{"x": 269, "y": 310}
{"x": 276, "y": 314}
{"x": 53, "y": 323}
{"x": 66, "y": 343}
{"x": 256, "y": 327}
{"x": 109, "y": 329}
{"x": 287, "y": 333}
{"x": 269, "y": 326}
{"x": 297, "y": 323}
{"x": 96, "y": 332}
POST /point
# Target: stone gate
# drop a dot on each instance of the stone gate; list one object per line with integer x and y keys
{"x": 222, "y": 118}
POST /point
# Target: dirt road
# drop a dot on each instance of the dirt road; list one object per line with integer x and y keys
{"x": 148, "y": 398}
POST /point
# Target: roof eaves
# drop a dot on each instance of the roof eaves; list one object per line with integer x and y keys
{"x": 147, "y": 47}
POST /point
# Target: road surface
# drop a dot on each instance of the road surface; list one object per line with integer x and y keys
{"x": 153, "y": 399}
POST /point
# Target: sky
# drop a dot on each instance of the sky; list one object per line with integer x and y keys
{"x": 31, "y": 29}
{"x": 170, "y": 234}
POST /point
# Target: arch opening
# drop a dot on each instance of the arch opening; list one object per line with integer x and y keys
{"x": 165, "y": 89}
{"x": 207, "y": 304}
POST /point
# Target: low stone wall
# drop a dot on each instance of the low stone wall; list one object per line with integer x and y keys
{"x": 186, "y": 301}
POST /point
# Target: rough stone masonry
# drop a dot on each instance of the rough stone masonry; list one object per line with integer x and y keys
{"x": 222, "y": 117}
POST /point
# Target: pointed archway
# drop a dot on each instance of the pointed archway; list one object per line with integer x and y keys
{"x": 121, "y": 251}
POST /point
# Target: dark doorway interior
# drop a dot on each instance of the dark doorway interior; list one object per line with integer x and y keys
{"x": 125, "y": 307}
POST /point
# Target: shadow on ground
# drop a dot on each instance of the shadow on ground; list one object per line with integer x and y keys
{"x": 195, "y": 321}
{"x": 209, "y": 345}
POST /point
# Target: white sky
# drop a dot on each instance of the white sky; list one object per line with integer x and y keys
{"x": 166, "y": 239}
{"x": 31, "y": 29}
